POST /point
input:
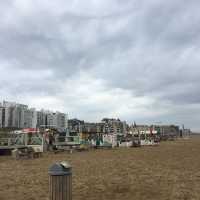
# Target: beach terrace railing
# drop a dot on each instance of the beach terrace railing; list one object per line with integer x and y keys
{"x": 7, "y": 141}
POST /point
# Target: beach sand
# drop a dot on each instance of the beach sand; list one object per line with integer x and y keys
{"x": 169, "y": 171}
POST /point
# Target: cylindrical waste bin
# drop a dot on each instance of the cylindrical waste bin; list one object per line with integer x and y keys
{"x": 60, "y": 181}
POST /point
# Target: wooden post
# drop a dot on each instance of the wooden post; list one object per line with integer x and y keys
{"x": 60, "y": 181}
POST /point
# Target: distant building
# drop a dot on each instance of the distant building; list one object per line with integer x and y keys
{"x": 163, "y": 131}
{"x": 14, "y": 115}
{"x": 51, "y": 119}
{"x": 90, "y": 128}
{"x": 1, "y": 116}
{"x": 18, "y": 115}
{"x": 75, "y": 125}
{"x": 168, "y": 130}
{"x": 41, "y": 119}
{"x": 60, "y": 120}
{"x": 115, "y": 126}
{"x": 8, "y": 110}
{"x": 30, "y": 118}
{"x": 135, "y": 129}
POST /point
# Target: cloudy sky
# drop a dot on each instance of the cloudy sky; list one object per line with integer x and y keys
{"x": 134, "y": 60}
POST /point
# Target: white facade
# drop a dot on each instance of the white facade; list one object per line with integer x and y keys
{"x": 56, "y": 120}
{"x": 30, "y": 118}
{"x": 8, "y": 117}
{"x": 41, "y": 119}
{"x": 18, "y": 115}
{"x": 1, "y": 117}
{"x": 50, "y": 120}
{"x": 61, "y": 120}
{"x": 13, "y": 115}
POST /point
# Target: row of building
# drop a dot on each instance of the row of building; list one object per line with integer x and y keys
{"x": 106, "y": 125}
{"x": 15, "y": 115}
{"x": 118, "y": 127}
{"x": 19, "y": 116}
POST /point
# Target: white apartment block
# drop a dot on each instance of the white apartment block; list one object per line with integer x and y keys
{"x": 1, "y": 117}
{"x": 41, "y": 119}
{"x": 56, "y": 120}
{"x": 30, "y": 118}
{"x": 13, "y": 115}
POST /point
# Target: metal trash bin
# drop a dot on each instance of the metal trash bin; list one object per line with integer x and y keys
{"x": 60, "y": 181}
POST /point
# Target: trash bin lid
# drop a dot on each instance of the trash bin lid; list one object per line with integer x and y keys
{"x": 60, "y": 169}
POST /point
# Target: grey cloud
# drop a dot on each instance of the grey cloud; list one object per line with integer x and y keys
{"x": 150, "y": 49}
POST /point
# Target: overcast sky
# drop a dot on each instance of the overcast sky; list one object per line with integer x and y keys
{"x": 133, "y": 60}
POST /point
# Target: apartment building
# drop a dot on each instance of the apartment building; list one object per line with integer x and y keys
{"x": 114, "y": 126}
{"x": 30, "y": 118}
{"x": 50, "y": 119}
{"x": 41, "y": 119}
{"x": 1, "y": 116}
{"x": 14, "y": 115}
{"x": 75, "y": 125}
